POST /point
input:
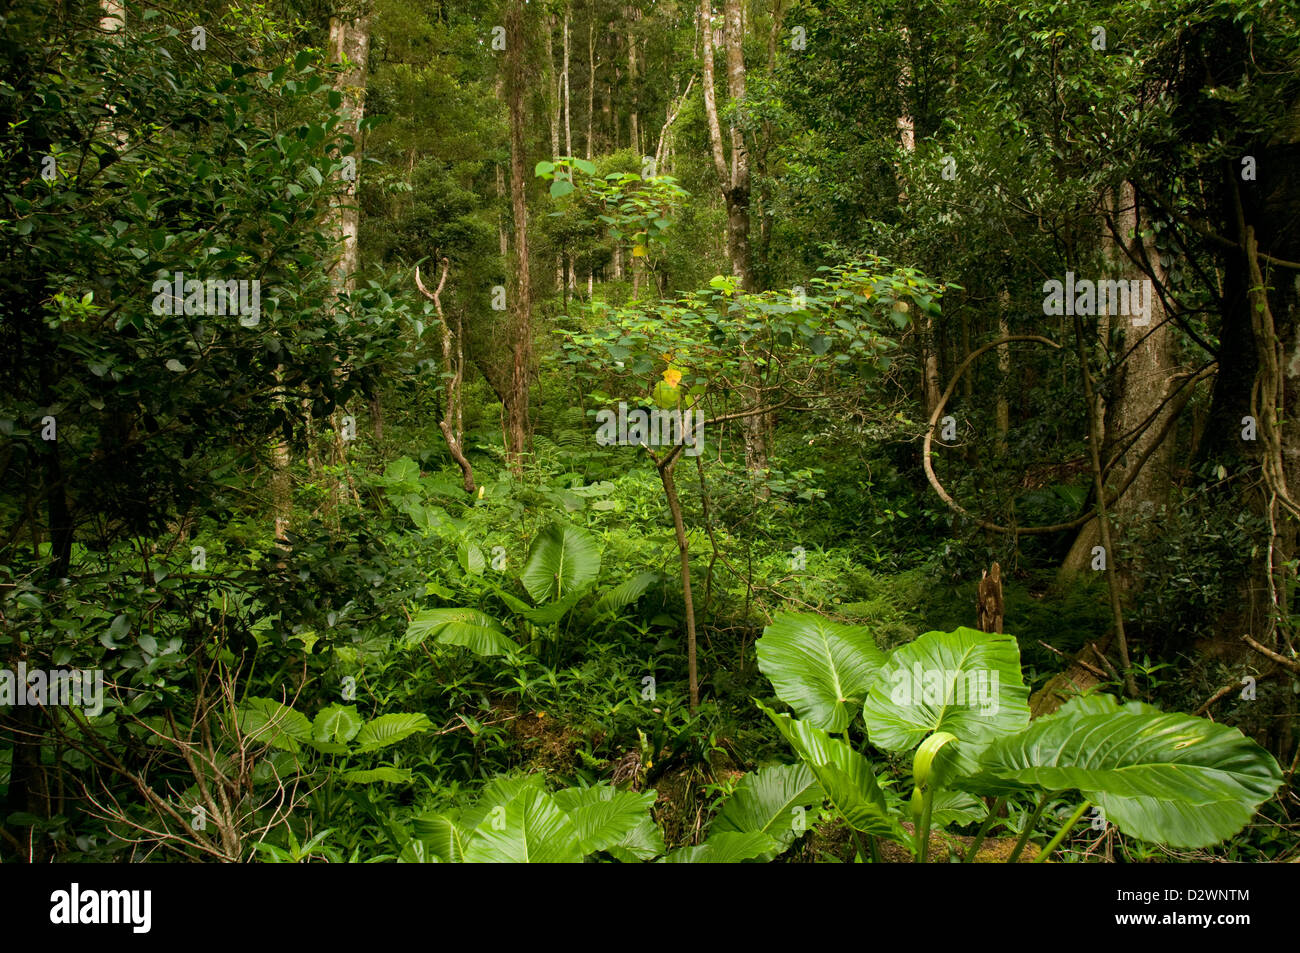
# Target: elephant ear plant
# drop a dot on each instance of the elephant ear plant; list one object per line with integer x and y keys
{"x": 958, "y": 703}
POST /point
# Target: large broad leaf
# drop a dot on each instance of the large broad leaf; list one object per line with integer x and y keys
{"x": 448, "y": 835}
{"x": 845, "y": 776}
{"x": 727, "y": 847}
{"x": 772, "y": 801}
{"x": 470, "y": 558}
{"x": 390, "y": 729}
{"x": 267, "y": 721}
{"x": 965, "y": 682}
{"x": 1171, "y": 779}
{"x": 336, "y": 724}
{"x": 603, "y": 815}
{"x": 470, "y": 628}
{"x": 530, "y": 829}
{"x": 643, "y": 842}
{"x": 444, "y": 837}
{"x": 624, "y": 594}
{"x": 820, "y": 668}
{"x": 384, "y": 775}
{"x": 552, "y": 612}
{"x": 955, "y": 807}
{"x": 562, "y": 558}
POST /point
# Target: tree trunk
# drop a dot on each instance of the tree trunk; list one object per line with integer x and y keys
{"x": 350, "y": 43}
{"x": 634, "y": 127}
{"x": 1004, "y": 373}
{"x": 591, "y": 78}
{"x": 1139, "y": 385}
{"x": 517, "y": 424}
{"x": 568, "y": 111}
{"x": 684, "y": 557}
{"x": 553, "y": 88}
{"x": 733, "y": 180}
{"x": 453, "y": 361}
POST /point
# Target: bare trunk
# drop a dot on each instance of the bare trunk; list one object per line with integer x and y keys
{"x": 591, "y": 79}
{"x": 1004, "y": 373}
{"x": 553, "y": 88}
{"x": 568, "y": 111}
{"x": 1140, "y": 385}
{"x": 733, "y": 179}
{"x": 684, "y": 557}
{"x": 350, "y": 44}
{"x": 517, "y": 424}
{"x": 634, "y": 127}
{"x": 453, "y": 361}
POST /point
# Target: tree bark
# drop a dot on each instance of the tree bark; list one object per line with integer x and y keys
{"x": 733, "y": 179}
{"x": 1140, "y": 384}
{"x": 591, "y": 78}
{"x": 517, "y": 423}
{"x": 453, "y": 361}
{"x": 568, "y": 111}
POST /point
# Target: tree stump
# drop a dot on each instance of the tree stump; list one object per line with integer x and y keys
{"x": 988, "y": 601}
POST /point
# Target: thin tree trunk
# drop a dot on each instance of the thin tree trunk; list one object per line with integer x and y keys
{"x": 1103, "y": 518}
{"x": 633, "y": 123}
{"x": 453, "y": 360}
{"x": 568, "y": 111}
{"x": 553, "y": 88}
{"x": 350, "y": 43}
{"x": 591, "y": 79}
{"x": 684, "y": 556}
{"x": 1004, "y": 373}
{"x": 733, "y": 179}
{"x": 517, "y": 423}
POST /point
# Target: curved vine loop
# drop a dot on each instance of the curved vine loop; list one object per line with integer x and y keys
{"x": 937, "y": 413}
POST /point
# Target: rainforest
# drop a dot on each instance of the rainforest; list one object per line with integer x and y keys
{"x": 614, "y": 431}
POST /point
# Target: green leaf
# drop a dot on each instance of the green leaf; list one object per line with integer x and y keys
{"x": 530, "y": 829}
{"x": 543, "y": 168}
{"x": 768, "y": 801}
{"x": 471, "y": 558}
{"x": 383, "y": 775}
{"x": 443, "y": 836}
{"x": 820, "y": 668}
{"x": 603, "y": 815}
{"x": 403, "y": 471}
{"x": 337, "y": 724}
{"x": 266, "y": 721}
{"x": 479, "y": 633}
{"x": 644, "y": 842}
{"x": 498, "y": 792}
{"x": 551, "y": 612}
{"x": 560, "y": 188}
{"x": 585, "y": 167}
{"x": 955, "y": 807}
{"x": 624, "y": 594}
{"x": 844, "y": 775}
{"x": 390, "y": 729}
{"x": 729, "y": 847}
{"x": 562, "y": 558}
{"x": 965, "y": 682}
{"x": 1171, "y": 779}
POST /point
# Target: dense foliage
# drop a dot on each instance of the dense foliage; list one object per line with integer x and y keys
{"x": 677, "y": 510}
